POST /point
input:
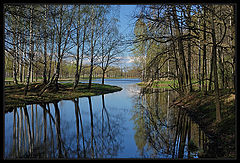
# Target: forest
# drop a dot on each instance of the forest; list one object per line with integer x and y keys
{"x": 192, "y": 44}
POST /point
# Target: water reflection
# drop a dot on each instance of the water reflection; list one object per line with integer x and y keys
{"x": 40, "y": 131}
{"x": 164, "y": 131}
{"x": 132, "y": 123}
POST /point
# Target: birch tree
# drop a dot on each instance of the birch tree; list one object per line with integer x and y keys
{"x": 111, "y": 44}
{"x": 82, "y": 25}
{"x": 62, "y": 25}
{"x": 30, "y": 54}
{"x": 97, "y": 13}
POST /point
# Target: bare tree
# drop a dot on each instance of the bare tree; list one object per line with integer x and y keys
{"x": 30, "y": 54}
{"x": 80, "y": 25}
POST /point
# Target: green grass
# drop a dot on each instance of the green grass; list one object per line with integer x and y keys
{"x": 14, "y": 94}
{"x": 159, "y": 83}
{"x": 165, "y": 84}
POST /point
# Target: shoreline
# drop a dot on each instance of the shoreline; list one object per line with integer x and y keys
{"x": 201, "y": 109}
{"x": 14, "y": 94}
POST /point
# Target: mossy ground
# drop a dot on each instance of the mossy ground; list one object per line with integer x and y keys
{"x": 14, "y": 94}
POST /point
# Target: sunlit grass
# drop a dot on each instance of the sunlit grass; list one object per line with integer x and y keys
{"x": 14, "y": 94}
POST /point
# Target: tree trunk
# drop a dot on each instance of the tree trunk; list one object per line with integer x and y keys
{"x": 57, "y": 74}
{"x": 92, "y": 50}
{"x": 21, "y": 62}
{"x": 189, "y": 47}
{"x": 47, "y": 86}
{"x": 214, "y": 56}
{"x": 221, "y": 66}
{"x": 233, "y": 43}
{"x": 14, "y": 59}
{"x": 103, "y": 76}
{"x": 15, "y": 70}
{"x": 51, "y": 56}
{"x": 24, "y": 63}
{"x": 61, "y": 29}
{"x": 204, "y": 68}
{"x": 32, "y": 67}
{"x": 90, "y": 74}
{"x": 58, "y": 63}
{"x": 45, "y": 48}
{"x": 210, "y": 78}
{"x": 78, "y": 47}
{"x": 77, "y": 61}
{"x": 199, "y": 60}
{"x": 216, "y": 86}
{"x": 182, "y": 62}
{"x": 83, "y": 46}
{"x": 59, "y": 57}
{"x": 30, "y": 53}
{"x": 175, "y": 56}
{"x": 189, "y": 65}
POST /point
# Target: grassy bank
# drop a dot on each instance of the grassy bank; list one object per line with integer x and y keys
{"x": 14, "y": 94}
{"x": 165, "y": 84}
{"x": 201, "y": 108}
{"x": 159, "y": 83}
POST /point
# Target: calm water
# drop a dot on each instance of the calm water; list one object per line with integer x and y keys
{"x": 132, "y": 123}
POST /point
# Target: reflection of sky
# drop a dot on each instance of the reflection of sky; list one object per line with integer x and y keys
{"x": 118, "y": 140}
{"x": 118, "y": 106}
{"x": 122, "y": 103}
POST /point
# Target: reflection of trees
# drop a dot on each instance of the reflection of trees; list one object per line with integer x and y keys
{"x": 92, "y": 135}
{"x": 162, "y": 131}
{"x": 79, "y": 118}
{"x": 104, "y": 110}
{"x": 34, "y": 134}
{"x": 139, "y": 121}
{"x": 109, "y": 139}
{"x": 58, "y": 131}
{"x": 28, "y": 130}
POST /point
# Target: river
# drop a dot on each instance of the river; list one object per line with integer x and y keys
{"x": 132, "y": 123}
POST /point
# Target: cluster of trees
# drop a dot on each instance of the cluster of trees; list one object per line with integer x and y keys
{"x": 39, "y": 37}
{"x": 187, "y": 42}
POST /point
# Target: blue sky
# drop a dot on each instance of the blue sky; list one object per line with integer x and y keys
{"x": 126, "y": 21}
{"x": 126, "y": 28}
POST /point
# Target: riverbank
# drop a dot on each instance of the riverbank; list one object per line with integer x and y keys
{"x": 201, "y": 108}
{"x": 165, "y": 83}
{"x": 158, "y": 84}
{"x": 14, "y": 94}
